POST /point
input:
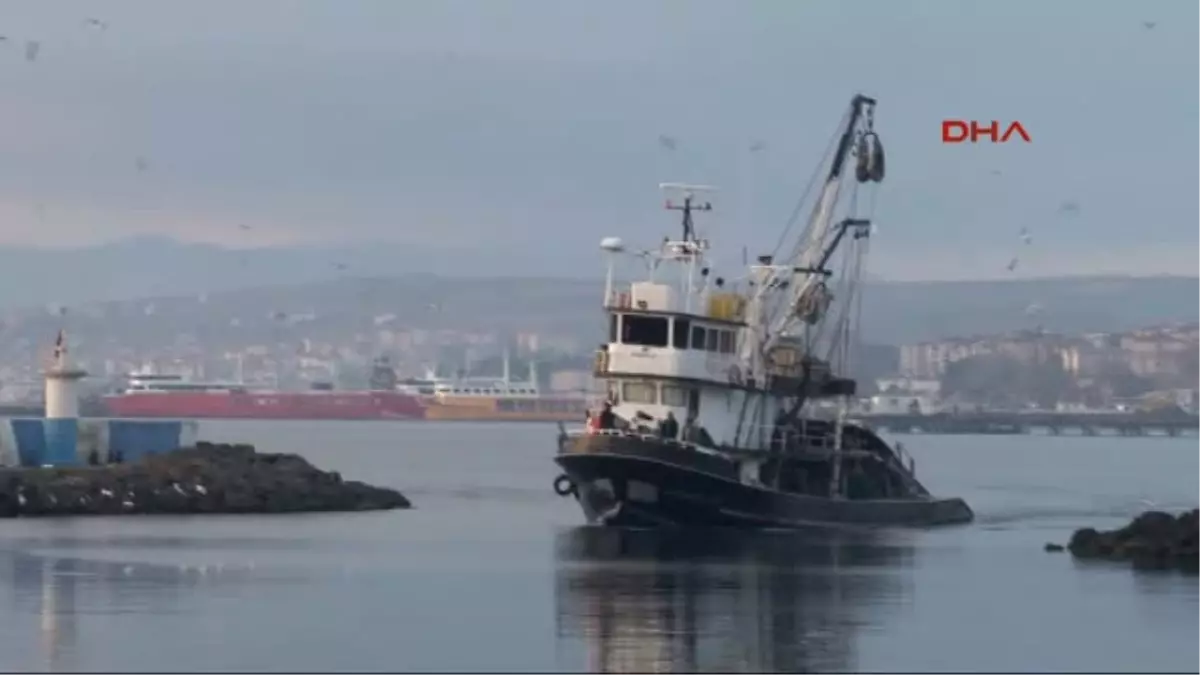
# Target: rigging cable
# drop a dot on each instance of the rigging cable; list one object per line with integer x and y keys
{"x": 812, "y": 181}
{"x": 852, "y": 331}
{"x": 772, "y": 306}
{"x": 844, "y": 290}
{"x": 850, "y": 284}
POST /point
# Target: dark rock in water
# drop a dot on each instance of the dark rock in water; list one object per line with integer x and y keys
{"x": 1051, "y": 547}
{"x": 1154, "y": 540}
{"x": 208, "y": 478}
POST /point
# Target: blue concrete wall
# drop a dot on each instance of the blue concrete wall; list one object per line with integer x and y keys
{"x": 65, "y": 442}
{"x": 134, "y": 439}
{"x": 61, "y": 442}
{"x": 30, "y": 435}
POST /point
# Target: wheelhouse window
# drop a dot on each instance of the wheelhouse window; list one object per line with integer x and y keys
{"x": 698, "y": 337}
{"x": 675, "y": 395}
{"x": 648, "y": 331}
{"x": 614, "y": 327}
{"x": 726, "y": 342}
{"x": 710, "y": 339}
{"x": 639, "y": 392}
{"x": 679, "y": 338}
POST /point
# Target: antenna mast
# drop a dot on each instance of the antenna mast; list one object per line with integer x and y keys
{"x": 690, "y": 205}
{"x": 689, "y": 229}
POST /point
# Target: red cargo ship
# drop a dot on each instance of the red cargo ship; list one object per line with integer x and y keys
{"x": 172, "y": 396}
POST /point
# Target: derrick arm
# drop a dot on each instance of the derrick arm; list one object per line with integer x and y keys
{"x": 818, "y": 227}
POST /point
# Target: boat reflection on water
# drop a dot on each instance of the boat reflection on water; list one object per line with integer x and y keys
{"x": 54, "y": 592}
{"x": 718, "y": 600}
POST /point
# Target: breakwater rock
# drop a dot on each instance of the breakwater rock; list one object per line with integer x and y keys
{"x": 207, "y": 478}
{"x": 1153, "y": 540}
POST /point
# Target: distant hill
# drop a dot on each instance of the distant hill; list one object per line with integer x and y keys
{"x": 253, "y": 285}
{"x": 138, "y": 267}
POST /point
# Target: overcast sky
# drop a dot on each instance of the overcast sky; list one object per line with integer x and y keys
{"x": 452, "y": 122}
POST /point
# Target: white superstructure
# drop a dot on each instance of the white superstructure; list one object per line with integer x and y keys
{"x": 484, "y": 387}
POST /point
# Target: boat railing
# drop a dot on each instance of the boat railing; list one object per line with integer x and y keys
{"x": 801, "y": 441}
{"x": 906, "y": 460}
{"x": 577, "y": 432}
{"x": 619, "y": 299}
{"x": 777, "y": 438}
{"x": 723, "y": 306}
{"x": 600, "y": 363}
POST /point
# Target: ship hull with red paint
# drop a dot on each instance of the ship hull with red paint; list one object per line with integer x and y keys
{"x": 274, "y": 405}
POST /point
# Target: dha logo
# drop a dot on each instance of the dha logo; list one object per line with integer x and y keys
{"x": 958, "y": 131}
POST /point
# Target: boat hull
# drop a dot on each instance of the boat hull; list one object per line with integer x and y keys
{"x": 645, "y": 482}
{"x": 355, "y": 405}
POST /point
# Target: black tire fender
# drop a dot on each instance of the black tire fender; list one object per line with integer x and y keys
{"x": 564, "y": 486}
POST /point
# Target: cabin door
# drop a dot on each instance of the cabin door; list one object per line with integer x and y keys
{"x": 693, "y": 404}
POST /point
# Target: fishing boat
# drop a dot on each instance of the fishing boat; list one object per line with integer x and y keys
{"x": 716, "y": 387}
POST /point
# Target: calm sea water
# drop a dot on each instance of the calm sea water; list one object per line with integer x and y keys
{"x": 493, "y": 572}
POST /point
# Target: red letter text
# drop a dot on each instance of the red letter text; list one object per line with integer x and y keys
{"x": 954, "y": 131}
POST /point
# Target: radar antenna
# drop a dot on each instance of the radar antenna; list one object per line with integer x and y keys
{"x": 689, "y": 205}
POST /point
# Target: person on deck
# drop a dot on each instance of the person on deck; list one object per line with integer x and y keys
{"x": 669, "y": 427}
{"x": 778, "y": 434}
{"x": 606, "y": 417}
{"x": 694, "y": 433}
{"x": 592, "y": 422}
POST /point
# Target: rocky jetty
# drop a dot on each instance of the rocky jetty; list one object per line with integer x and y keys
{"x": 1153, "y": 540}
{"x": 208, "y": 478}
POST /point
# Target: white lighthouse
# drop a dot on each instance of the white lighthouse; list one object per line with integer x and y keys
{"x": 62, "y": 407}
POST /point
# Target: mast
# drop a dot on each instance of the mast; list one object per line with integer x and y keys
{"x": 688, "y": 251}
{"x": 689, "y": 230}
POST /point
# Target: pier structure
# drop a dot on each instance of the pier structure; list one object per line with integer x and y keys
{"x": 59, "y": 437}
{"x": 1049, "y": 423}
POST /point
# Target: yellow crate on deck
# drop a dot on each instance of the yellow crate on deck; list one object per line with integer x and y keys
{"x": 726, "y": 306}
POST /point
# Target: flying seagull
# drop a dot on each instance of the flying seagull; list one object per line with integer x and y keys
{"x": 32, "y": 48}
{"x": 667, "y": 142}
{"x": 244, "y": 226}
{"x": 1012, "y": 264}
{"x": 757, "y": 145}
{"x": 141, "y": 164}
{"x": 1149, "y": 25}
{"x": 94, "y": 22}
{"x": 1026, "y": 236}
